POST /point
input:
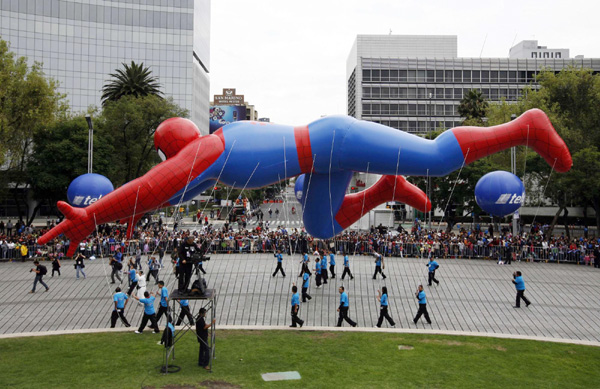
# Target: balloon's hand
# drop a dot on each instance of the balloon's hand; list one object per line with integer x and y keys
{"x": 76, "y": 226}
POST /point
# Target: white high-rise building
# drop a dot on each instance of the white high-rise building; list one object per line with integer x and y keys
{"x": 81, "y": 42}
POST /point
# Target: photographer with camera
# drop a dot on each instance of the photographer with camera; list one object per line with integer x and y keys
{"x": 187, "y": 250}
{"x": 40, "y": 271}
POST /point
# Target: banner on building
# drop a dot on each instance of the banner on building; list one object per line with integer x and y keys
{"x": 221, "y": 115}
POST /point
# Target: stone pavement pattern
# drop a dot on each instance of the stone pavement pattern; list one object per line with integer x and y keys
{"x": 475, "y": 296}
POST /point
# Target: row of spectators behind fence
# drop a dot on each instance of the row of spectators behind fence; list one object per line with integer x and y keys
{"x": 467, "y": 244}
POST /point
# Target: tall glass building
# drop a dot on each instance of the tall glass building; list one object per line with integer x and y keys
{"x": 416, "y": 83}
{"x": 80, "y": 42}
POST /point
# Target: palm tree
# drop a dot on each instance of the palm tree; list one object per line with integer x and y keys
{"x": 135, "y": 80}
{"x": 473, "y": 105}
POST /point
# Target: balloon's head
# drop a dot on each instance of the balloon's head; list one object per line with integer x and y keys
{"x": 174, "y": 134}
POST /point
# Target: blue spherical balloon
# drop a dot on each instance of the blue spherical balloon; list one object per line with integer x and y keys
{"x": 299, "y": 188}
{"x": 87, "y": 189}
{"x": 500, "y": 193}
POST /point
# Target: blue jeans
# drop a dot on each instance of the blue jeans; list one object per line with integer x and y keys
{"x": 38, "y": 278}
{"x": 79, "y": 269}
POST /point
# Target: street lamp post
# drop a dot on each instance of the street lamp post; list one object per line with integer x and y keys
{"x": 429, "y": 177}
{"x": 513, "y": 168}
{"x": 88, "y": 118}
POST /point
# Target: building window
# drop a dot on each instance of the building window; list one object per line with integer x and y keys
{"x": 558, "y": 54}
{"x": 546, "y": 55}
{"x": 533, "y": 55}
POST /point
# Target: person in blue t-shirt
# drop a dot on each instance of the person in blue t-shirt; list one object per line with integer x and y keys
{"x": 305, "y": 261}
{"x": 163, "y": 307}
{"x": 433, "y": 266}
{"x": 120, "y": 300}
{"x": 420, "y": 295}
{"x": 347, "y": 268}
{"x": 185, "y": 311}
{"x": 279, "y": 263}
{"x": 332, "y": 264}
{"x": 318, "y": 272}
{"x": 149, "y": 313}
{"x": 382, "y": 296}
{"x": 296, "y": 307}
{"x": 133, "y": 280}
{"x": 379, "y": 264}
{"x": 520, "y": 286}
{"x": 324, "y": 276}
{"x": 305, "y": 283}
{"x": 343, "y": 308}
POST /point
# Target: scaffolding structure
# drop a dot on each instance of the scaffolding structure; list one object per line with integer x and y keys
{"x": 209, "y": 302}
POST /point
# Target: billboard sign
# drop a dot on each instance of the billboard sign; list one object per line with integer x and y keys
{"x": 229, "y": 98}
{"x": 221, "y": 115}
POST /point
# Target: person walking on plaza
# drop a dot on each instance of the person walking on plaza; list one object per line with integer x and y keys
{"x": 79, "y": 265}
{"x": 56, "y": 265}
{"x": 279, "y": 263}
{"x": 347, "y": 268}
{"x": 185, "y": 312}
{"x": 149, "y": 313}
{"x": 133, "y": 280}
{"x": 40, "y": 272}
{"x": 318, "y": 271}
{"x": 296, "y": 307}
{"x": 332, "y": 263}
{"x": 305, "y": 261}
{"x": 433, "y": 266}
{"x": 420, "y": 295}
{"x": 202, "y": 334}
{"x": 117, "y": 266}
{"x": 324, "y": 268}
{"x": 305, "y": 283}
{"x": 379, "y": 264}
{"x": 120, "y": 301}
{"x": 520, "y": 286}
{"x": 382, "y": 296}
{"x": 163, "y": 307}
{"x": 343, "y": 308}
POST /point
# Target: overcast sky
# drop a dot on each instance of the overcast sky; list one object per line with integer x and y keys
{"x": 289, "y": 57}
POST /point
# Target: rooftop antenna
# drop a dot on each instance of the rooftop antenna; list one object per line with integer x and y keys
{"x": 482, "y": 46}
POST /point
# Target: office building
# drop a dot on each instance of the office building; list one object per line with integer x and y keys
{"x": 81, "y": 42}
{"x": 416, "y": 83}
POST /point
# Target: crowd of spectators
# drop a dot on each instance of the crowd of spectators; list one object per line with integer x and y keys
{"x": 19, "y": 242}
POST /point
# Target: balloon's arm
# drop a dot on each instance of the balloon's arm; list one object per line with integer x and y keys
{"x": 146, "y": 193}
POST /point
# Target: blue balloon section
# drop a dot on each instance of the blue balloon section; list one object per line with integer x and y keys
{"x": 298, "y": 188}
{"x": 87, "y": 189}
{"x": 500, "y": 193}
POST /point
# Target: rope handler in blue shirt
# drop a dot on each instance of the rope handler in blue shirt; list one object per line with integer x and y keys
{"x": 382, "y": 296}
{"x": 343, "y": 309}
{"x": 433, "y": 266}
{"x": 420, "y": 295}
{"x": 296, "y": 307}
{"x": 520, "y": 286}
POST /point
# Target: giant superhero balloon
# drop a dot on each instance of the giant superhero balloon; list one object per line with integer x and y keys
{"x": 87, "y": 189}
{"x": 328, "y": 151}
{"x": 499, "y": 193}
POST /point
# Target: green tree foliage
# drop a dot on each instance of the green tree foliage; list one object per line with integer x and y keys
{"x": 133, "y": 80}
{"x": 59, "y": 156}
{"x": 130, "y": 123}
{"x": 28, "y": 103}
{"x": 473, "y": 107}
{"x": 571, "y": 98}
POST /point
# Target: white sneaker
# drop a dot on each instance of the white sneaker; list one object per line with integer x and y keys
{"x": 137, "y": 332}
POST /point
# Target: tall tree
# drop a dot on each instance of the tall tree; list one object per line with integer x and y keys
{"x": 59, "y": 156}
{"x": 130, "y": 123}
{"x": 133, "y": 80}
{"x": 29, "y": 101}
{"x": 473, "y": 107}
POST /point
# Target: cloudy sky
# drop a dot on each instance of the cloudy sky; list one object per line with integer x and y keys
{"x": 289, "y": 57}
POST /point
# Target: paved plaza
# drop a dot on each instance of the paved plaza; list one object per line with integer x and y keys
{"x": 473, "y": 295}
